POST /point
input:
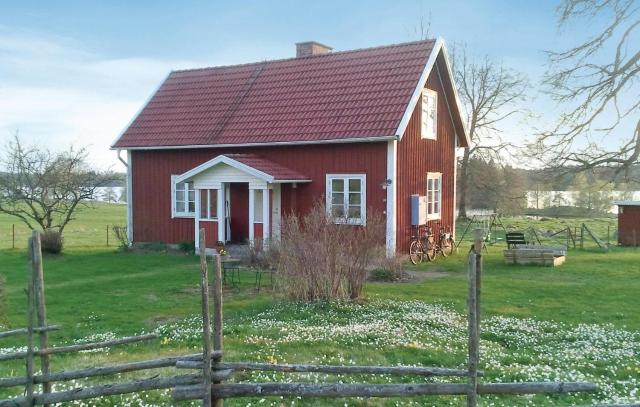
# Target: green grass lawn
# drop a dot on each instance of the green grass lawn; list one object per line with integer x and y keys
{"x": 575, "y": 322}
{"x": 88, "y": 230}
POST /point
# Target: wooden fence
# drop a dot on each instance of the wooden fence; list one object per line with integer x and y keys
{"x": 208, "y": 383}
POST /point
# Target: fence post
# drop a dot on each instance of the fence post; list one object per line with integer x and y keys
{"x": 107, "y": 235}
{"x": 30, "y": 312}
{"x": 13, "y": 235}
{"x": 475, "y": 264}
{"x": 38, "y": 274}
{"x": 582, "y": 236}
{"x": 217, "y": 319}
{"x": 206, "y": 321}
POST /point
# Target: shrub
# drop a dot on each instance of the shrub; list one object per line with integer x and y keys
{"x": 187, "y": 246}
{"x": 261, "y": 256}
{"x": 51, "y": 241}
{"x": 321, "y": 260}
{"x": 122, "y": 237}
{"x": 390, "y": 270}
{"x": 382, "y": 274}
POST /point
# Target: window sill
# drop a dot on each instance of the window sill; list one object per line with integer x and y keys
{"x": 184, "y": 215}
{"x": 358, "y": 222}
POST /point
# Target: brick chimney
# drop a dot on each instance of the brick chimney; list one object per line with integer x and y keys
{"x": 309, "y": 48}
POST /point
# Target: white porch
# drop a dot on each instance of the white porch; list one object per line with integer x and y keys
{"x": 217, "y": 200}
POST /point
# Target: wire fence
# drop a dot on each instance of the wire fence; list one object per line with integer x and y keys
{"x": 16, "y": 235}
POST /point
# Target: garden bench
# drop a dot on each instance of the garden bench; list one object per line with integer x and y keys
{"x": 515, "y": 239}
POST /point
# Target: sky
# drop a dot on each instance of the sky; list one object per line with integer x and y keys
{"x": 77, "y": 72}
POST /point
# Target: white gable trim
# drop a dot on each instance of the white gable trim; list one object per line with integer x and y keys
{"x": 230, "y": 162}
{"x": 456, "y": 97}
{"x": 437, "y": 48}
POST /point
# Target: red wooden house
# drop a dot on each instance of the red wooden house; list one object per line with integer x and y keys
{"x": 235, "y": 148}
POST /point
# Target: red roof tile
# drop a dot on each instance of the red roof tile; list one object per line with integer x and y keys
{"x": 341, "y": 95}
{"x": 277, "y": 171}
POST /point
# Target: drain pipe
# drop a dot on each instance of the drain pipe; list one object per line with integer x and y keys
{"x": 127, "y": 164}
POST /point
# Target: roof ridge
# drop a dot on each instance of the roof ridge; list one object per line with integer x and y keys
{"x": 267, "y": 61}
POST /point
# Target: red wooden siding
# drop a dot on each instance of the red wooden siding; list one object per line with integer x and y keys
{"x": 257, "y": 230}
{"x": 629, "y": 225}
{"x": 152, "y": 170}
{"x": 417, "y": 156}
{"x": 211, "y": 233}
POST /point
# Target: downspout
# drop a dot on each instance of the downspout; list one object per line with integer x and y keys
{"x": 129, "y": 195}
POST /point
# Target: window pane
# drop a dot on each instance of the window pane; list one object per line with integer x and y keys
{"x": 337, "y": 211}
{"x": 192, "y": 207}
{"x": 436, "y": 207}
{"x": 355, "y": 198}
{"x": 213, "y": 204}
{"x": 354, "y": 212}
{"x": 204, "y": 202}
{"x": 337, "y": 198}
{"x": 179, "y": 206}
{"x": 257, "y": 206}
{"x": 354, "y": 185}
{"x": 337, "y": 185}
{"x": 180, "y": 196}
{"x": 192, "y": 196}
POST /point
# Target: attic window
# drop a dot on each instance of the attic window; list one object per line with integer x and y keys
{"x": 429, "y": 114}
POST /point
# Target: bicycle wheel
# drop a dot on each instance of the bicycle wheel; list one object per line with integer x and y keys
{"x": 431, "y": 250}
{"x": 415, "y": 252}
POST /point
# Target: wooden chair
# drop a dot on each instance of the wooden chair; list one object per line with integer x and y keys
{"x": 515, "y": 239}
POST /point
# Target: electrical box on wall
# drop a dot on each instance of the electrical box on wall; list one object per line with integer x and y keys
{"x": 418, "y": 210}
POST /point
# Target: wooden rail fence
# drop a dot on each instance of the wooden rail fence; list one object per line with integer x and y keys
{"x": 208, "y": 382}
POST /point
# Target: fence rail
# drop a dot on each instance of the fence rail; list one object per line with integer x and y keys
{"x": 208, "y": 383}
{"x": 13, "y": 235}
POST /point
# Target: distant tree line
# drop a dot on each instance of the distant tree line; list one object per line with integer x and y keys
{"x": 504, "y": 189}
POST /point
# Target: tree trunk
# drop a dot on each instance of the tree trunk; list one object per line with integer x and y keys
{"x": 464, "y": 184}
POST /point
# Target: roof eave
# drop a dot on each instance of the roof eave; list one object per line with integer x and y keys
{"x": 276, "y": 143}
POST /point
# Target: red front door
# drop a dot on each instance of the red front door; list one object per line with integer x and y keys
{"x": 239, "y": 211}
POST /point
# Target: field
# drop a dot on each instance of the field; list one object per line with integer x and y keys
{"x": 576, "y": 322}
{"x": 88, "y": 230}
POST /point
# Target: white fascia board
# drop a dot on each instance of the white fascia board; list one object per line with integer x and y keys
{"x": 404, "y": 122}
{"x": 135, "y": 116}
{"x": 275, "y": 143}
{"x": 456, "y": 97}
{"x": 226, "y": 160}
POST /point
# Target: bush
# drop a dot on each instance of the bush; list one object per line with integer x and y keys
{"x": 51, "y": 241}
{"x": 261, "y": 256}
{"x": 122, "y": 237}
{"x": 390, "y": 270}
{"x": 322, "y": 260}
{"x": 187, "y": 246}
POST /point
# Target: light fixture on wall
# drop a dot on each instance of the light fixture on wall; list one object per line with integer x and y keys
{"x": 385, "y": 183}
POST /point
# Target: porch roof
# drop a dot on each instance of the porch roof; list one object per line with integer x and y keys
{"x": 251, "y": 164}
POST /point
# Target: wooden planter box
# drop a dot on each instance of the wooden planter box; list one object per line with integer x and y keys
{"x": 540, "y": 255}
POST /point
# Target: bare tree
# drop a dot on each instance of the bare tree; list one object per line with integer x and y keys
{"x": 596, "y": 82}
{"x": 45, "y": 189}
{"x": 490, "y": 93}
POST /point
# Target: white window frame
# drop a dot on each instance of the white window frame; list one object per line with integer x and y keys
{"x": 431, "y": 134}
{"x": 363, "y": 197}
{"x": 433, "y": 197}
{"x": 174, "y": 212}
{"x": 212, "y": 213}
